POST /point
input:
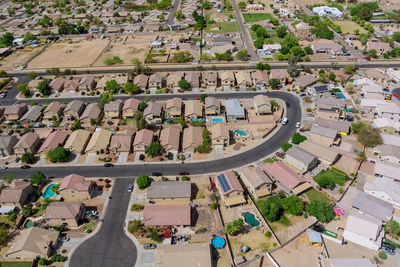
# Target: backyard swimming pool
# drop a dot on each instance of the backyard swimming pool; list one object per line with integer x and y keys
{"x": 250, "y": 218}
{"x": 241, "y": 133}
{"x": 48, "y": 193}
{"x": 217, "y": 120}
{"x": 29, "y": 224}
{"x": 218, "y": 242}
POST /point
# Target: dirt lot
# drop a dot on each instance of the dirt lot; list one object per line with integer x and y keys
{"x": 208, "y": 219}
{"x": 19, "y": 57}
{"x": 83, "y": 53}
{"x": 297, "y": 224}
{"x": 253, "y": 239}
{"x": 347, "y": 164}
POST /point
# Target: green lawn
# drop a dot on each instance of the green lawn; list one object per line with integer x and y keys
{"x": 269, "y": 160}
{"x": 225, "y": 27}
{"x": 314, "y": 195}
{"x": 16, "y": 264}
{"x": 393, "y": 243}
{"x": 284, "y": 221}
{"x": 250, "y": 18}
{"x": 336, "y": 177}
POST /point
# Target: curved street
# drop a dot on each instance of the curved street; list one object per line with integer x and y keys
{"x": 109, "y": 246}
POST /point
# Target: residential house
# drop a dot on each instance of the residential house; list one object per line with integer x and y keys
{"x": 15, "y": 112}
{"x": 192, "y": 138}
{"x": 129, "y": 108}
{"x": 329, "y": 112}
{"x": 99, "y": 142}
{"x": 260, "y": 79}
{"x": 17, "y": 194}
{"x": 210, "y": 80}
{"x": 301, "y": 159}
{"x": 229, "y": 188}
{"x": 368, "y": 205}
{"x": 287, "y": 179}
{"x": 219, "y": 17}
{"x": 87, "y": 83}
{"x": 170, "y": 137}
{"x": 74, "y": 110}
{"x": 71, "y": 85}
{"x": 287, "y": 12}
{"x": 243, "y": 80}
{"x": 143, "y": 139}
{"x": 384, "y": 189}
{"x": 141, "y": 81}
{"x": 390, "y": 111}
{"x": 262, "y": 105}
{"x": 222, "y": 40}
{"x": 364, "y": 230}
{"x": 56, "y": 138}
{"x": 306, "y": 81}
{"x": 379, "y": 47}
{"x": 156, "y": 81}
{"x": 173, "y": 80}
{"x": 167, "y": 215}
{"x": 388, "y": 153}
{"x": 75, "y": 188}
{"x": 212, "y": 106}
{"x": 341, "y": 127}
{"x": 152, "y": 113}
{"x": 33, "y": 85}
{"x": 177, "y": 192}
{"x": 268, "y": 50}
{"x": 7, "y": 144}
{"x": 219, "y": 135}
{"x": 386, "y": 170}
{"x": 326, "y": 155}
{"x": 33, "y": 114}
{"x": 319, "y": 91}
{"x": 234, "y": 110}
{"x": 53, "y": 110}
{"x": 121, "y": 142}
{"x": 77, "y": 141}
{"x": 227, "y": 79}
{"x": 193, "y": 110}
{"x": 27, "y": 143}
{"x": 280, "y": 75}
{"x": 303, "y": 31}
{"x": 112, "y": 110}
{"x": 32, "y": 243}
{"x": 92, "y": 113}
{"x": 57, "y": 84}
{"x": 323, "y": 135}
{"x": 387, "y": 126}
{"x": 256, "y": 181}
{"x": 193, "y": 78}
{"x": 64, "y": 213}
{"x": 326, "y": 47}
{"x": 326, "y": 11}
{"x": 173, "y": 108}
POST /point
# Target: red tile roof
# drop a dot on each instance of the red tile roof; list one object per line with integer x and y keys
{"x": 75, "y": 182}
{"x": 166, "y": 215}
{"x": 284, "y": 174}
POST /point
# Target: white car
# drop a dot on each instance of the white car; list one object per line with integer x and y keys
{"x": 285, "y": 121}
{"x": 3, "y": 167}
{"x": 63, "y": 239}
{"x": 298, "y": 124}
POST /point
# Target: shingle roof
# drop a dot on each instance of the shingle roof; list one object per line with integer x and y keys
{"x": 174, "y": 102}
{"x": 170, "y": 189}
{"x": 374, "y": 207}
{"x": 63, "y": 210}
{"x": 301, "y": 155}
{"x": 284, "y": 174}
{"x": 192, "y": 136}
{"x": 233, "y": 108}
{"x": 92, "y": 111}
{"x": 170, "y": 136}
{"x": 75, "y": 182}
{"x": 75, "y": 105}
{"x": 166, "y": 215}
{"x": 27, "y": 140}
{"x": 386, "y": 185}
{"x": 121, "y": 142}
{"x": 363, "y": 225}
{"x": 33, "y": 114}
{"x": 54, "y": 106}
{"x": 255, "y": 176}
{"x": 324, "y": 131}
{"x": 54, "y": 139}
{"x": 113, "y": 106}
{"x": 77, "y": 141}
{"x": 152, "y": 108}
{"x": 12, "y": 193}
{"x": 131, "y": 103}
{"x": 143, "y": 136}
{"x": 7, "y": 141}
{"x": 212, "y": 101}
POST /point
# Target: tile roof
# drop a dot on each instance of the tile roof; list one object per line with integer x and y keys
{"x": 92, "y": 111}
{"x": 170, "y": 189}
{"x": 12, "y": 192}
{"x": 284, "y": 174}
{"x": 63, "y": 210}
{"x": 301, "y": 155}
{"x": 170, "y": 136}
{"x": 232, "y": 180}
{"x": 144, "y": 136}
{"x": 153, "y": 108}
{"x": 255, "y": 176}
{"x": 166, "y": 215}
{"x": 75, "y": 106}
{"x": 131, "y": 103}
{"x": 75, "y": 182}
{"x": 192, "y": 137}
{"x": 54, "y": 139}
{"x": 77, "y": 141}
{"x": 27, "y": 140}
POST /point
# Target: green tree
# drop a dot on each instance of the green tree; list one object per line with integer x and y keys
{"x": 27, "y": 211}
{"x": 234, "y": 227}
{"x": 23, "y": 89}
{"x": 181, "y": 57}
{"x": 285, "y": 146}
{"x": 37, "y": 178}
{"x": 270, "y": 210}
{"x": 7, "y": 39}
{"x": 373, "y": 53}
{"x": 104, "y": 98}
{"x": 350, "y": 69}
{"x": 154, "y": 236}
{"x": 3, "y": 73}
{"x": 12, "y": 215}
{"x": 112, "y": 86}
{"x": 206, "y": 5}
{"x": 143, "y": 181}
{"x": 183, "y": 84}
{"x": 76, "y": 125}
{"x": 43, "y": 262}
{"x": 274, "y": 83}
{"x": 29, "y": 37}
{"x": 293, "y": 204}
{"x": 308, "y": 50}
{"x": 369, "y": 136}
{"x": 242, "y": 5}
{"x": 179, "y": 14}
{"x": 8, "y": 178}
{"x": 44, "y": 88}
{"x": 45, "y": 21}
{"x": 3, "y": 234}
{"x": 396, "y": 36}
{"x": 297, "y": 138}
{"x": 153, "y": 149}
{"x": 131, "y": 88}
{"x": 242, "y": 55}
{"x": 362, "y": 156}
{"x": 31, "y": 75}
{"x": 203, "y": 98}
{"x": 28, "y": 158}
{"x": 281, "y": 31}
{"x": 356, "y": 126}
{"x": 365, "y": 13}
{"x": 58, "y": 154}
{"x": 320, "y": 210}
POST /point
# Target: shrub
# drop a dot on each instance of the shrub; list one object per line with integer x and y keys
{"x": 154, "y": 236}
{"x": 137, "y": 207}
{"x": 214, "y": 205}
{"x": 107, "y": 186}
{"x": 107, "y": 181}
{"x": 43, "y": 262}
{"x": 143, "y": 181}
{"x": 201, "y": 230}
{"x": 268, "y": 234}
{"x": 164, "y": 179}
{"x": 382, "y": 255}
{"x": 341, "y": 190}
{"x": 185, "y": 178}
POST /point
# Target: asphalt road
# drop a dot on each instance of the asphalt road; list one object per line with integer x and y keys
{"x": 171, "y": 17}
{"x": 235, "y": 161}
{"x": 110, "y": 246}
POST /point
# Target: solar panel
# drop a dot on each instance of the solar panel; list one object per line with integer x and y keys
{"x": 224, "y": 183}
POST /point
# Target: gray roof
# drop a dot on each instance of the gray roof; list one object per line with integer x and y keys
{"x": 306, "y": 80}
{"x": 373, "y": 206}
{"x": 301, "y": 155}
{"x": 233, "y": 108}
{"x": 340, "y": 126}
{"x": 389, "y": 150}
{"x": 7, "y": 141}
{"x": 169, "y": 189}
{"x": 321, "y": 88}
{"x": 92, "y": 111}
{"x": 153, "y": 108}
{"x": 33, "y": 114}
{"x": 222, "y": 39}
{"x": 324, "y": 131}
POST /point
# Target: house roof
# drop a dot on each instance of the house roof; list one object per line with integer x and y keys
{"x": 378, "y": 46}
{"x": 114, "y": 106}
{"x": 86, "y": 80}
{"x": 212, "y": 101}
{"x": 33, "y": 114}
{"x": 260, "y": 100}
{"x": 278, "y": 74}
{"x": 7, "y": 141}
{"x": 306, "y": 80}
{"x": 387, "y": 170}
{"x": 219, "y": 130}
{"x": 170, "y": 136}
{"x": 169, "y": 189}
{"x": 77, "y": 141}
{"x": 373, "y": 206}
{"x": 144, "y": 136}
{"x": 193, "y": 107}
{"x": 332, "y": 46}
{"x": 131, "y": 103}
{"x": 100, "y": 139}
{"x": 228, "y": 182}
{"x": 12, "y": 192}
{"x": 243, "y": 77}
{"x": 75, "y": 106}
{"x": 14, "y": 109}
{"x": 322, "y": 152}
{"x": 75, "y": 182}
{"x": 301, "y": 155}
{"x": 57, "y": 83}
{"x": 121, "y": 142}
{"x": 226, "y": 75}
{"x": 255, "y": 176}
{"x": 153, "y": 108}
{"x": 386, "y": 185}
{"x": 353, "y": 262}
{"x": 321, "y": 88}
{"x": 339, "y": 126}
{"x": 260, "y": 76}
{"x": 386, "y": 122}
{"x": 284, "y": 174}
{"x": 71, "y": 84}
{"x": 389, "y": 150}
{"x": 210, "y": 77}
{"x": 156, "y": 78}
{"x": 141, "y": 80}
{"x": 174, "y": 102}
{"x": 234, "y": 108}
{"x": 168, "y": 215}
{"x": 389, "y": 139}
{"x": 54, "y": 107}
{"x": 193, "y": 77}
{"x": 389, "y": 108}
{"x": 54, "y": 139}
{"x": 63, "y": 210}
{"x": 27, "y": 141}
{"x": 92, "y": 111}
{"x": 192, "y": 137}
{"x": 363, "y": 225}
{"x": 324, "y": 131}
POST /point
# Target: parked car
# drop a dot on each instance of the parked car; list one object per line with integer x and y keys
{"x": 149, "y": 246}
{"x": 3, "y": 167}
{"x": 388, "y": 250}
{"x": 388, "y": 245}
{"x": 16, "y": 160}
{"x": 63, "y": 239}
{"x": 318, "y": 228}
{"x": 298, "y": 124}
{"x": 24, "y": 167}
{"x": 91, "y": 212}
{"x": 368, "y": 58}
{"x": 3, "y": 95}
{"x": 183, "y": 173}
{"x": 285, "y": 121}
{"x": 281, "y": 154}
{"x": 107, "y": 165}
{"x": 130, "y": 188}
{"x": 156, "y": 174}
{"x": 141, "y": 157}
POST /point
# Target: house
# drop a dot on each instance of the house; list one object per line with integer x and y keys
{"x": 326, "y": 155}
{"x": 301, "y": 159}
{"x": 64, "y": 213}
{"x": 215, "y": 27}
{"x": 210, "y": 80}
{"x": 192, "y": 138}
{"x": 55, "y": 139}
{"x": 260, "y": 79}
{"x": 87, "y": 83}
{"x": 121, "y": 142}
{"x": 368, "y": 205}
{"x": 33, "y": 85}
{"x": 262, "y": 105}
{"x": 319, "y": 91}
{"x": 329, "y": 112}
{"x": 256, "y": 181}
{"x": 222, "y": 40}
{"x": 141, "y": 81}
{"x": 389, "y": 139}
{"x": 74, "y": 110}
{"x": 77, "y": 141}
{"x": 152, "y": 113}
{"x": 99, "y": 142}
{"x": 269, "y": 49}
{"x": 75, "y": 188}
{"x": 27, "y": 143}
{"x": 386, "y": 170}
{"x": 170, "y": 138}
{"x": 220, "y": 135}
{"x": 306, "y": 81}
{"x": 323, "y": 135}
{"x": 129, "y": 108}
{"x": 327, "y": 10}
{"x": 178, "y": 192}
{"x": 53, "y": 110}
{"x": 143, "y": 138}
{"x": 167, "y": 215}
{"x": 212, "y": 106}
{"x": 71, "y": 85}
{"x": 112, "y": 110}
{"x": 385, "y": 125}
{"x": 303, "y": 30}
{"x": 280, "y": 75}
{"x": 173, "y": 80}
{"x": 234, "y": 110}
{"x": 7, "y": 144}
{"x": 155, "y": 81}
{"x": 15, "y": 112}
{"x": 33, "y": 114}
{"x": 326, "y": 47}
{"x": 193, "y": 110}
{"x": 91, "y": 114}
{"x": 229, "y": 188}
{"x": 243, "y": 80}
{"x": 193, "y": 254}
{"x": 287, "y": 12}
{"x": 57, "y": 84}
{"x": 390, "y": 111}
{"x": 32, "y": 243}
{"x": 17, "y": 194}
{"x": 101, "y": 83}
{"x": 385, "y": 189}
{"x": 379, "y": 47}
{"x": 193, "y": 78}
{"x": 219, "y": 17}
{"x": 364, "y": 230}
{"x": 287, "y": 179}
{"x": 227, "y": 79}
{"x": 388, "y": 153}
{"x": 173, "y": 108}
{"x": 342, "y": 127}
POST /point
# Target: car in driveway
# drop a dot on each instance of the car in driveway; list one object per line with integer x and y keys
{"x": 388, "y": 250}
{"x": 388, "y": 245}
{"x": 3, "y": 167}
{"x": 107, "y": 165}
{"x": 156, "y": 174}
{"x": 298, "y": 124}
{"x": 149, "y": 246}
{"x": 24, "y": 167}
{"x": 63, "y": 239}
{"x": 281, "y": 154}
{"x": 130, "y": 188}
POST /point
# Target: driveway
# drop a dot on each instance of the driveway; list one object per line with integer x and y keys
{"x": 123, "y": 157}
{"x": 110, "y": 247}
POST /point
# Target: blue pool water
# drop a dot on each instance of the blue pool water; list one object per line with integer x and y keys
{"x": 194, "y": 119}
{"x": 218, "y": 242}
{"x": 250, "y": 218}
{"x": 29, "y": 224}
{"x": 242, "y": 133}
{"x": 217, "y": 120}
{"x": 48, "y": 193}
{"x": 341, "y": 95}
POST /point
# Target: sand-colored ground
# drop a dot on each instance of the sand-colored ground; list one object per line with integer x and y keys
{"x": 253, "y": 239}
{"x": 83, "y": 54}
{"x": 297, "y": 224}
{"x": 19, "y": 57}
{"x": 311, "y": 2}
